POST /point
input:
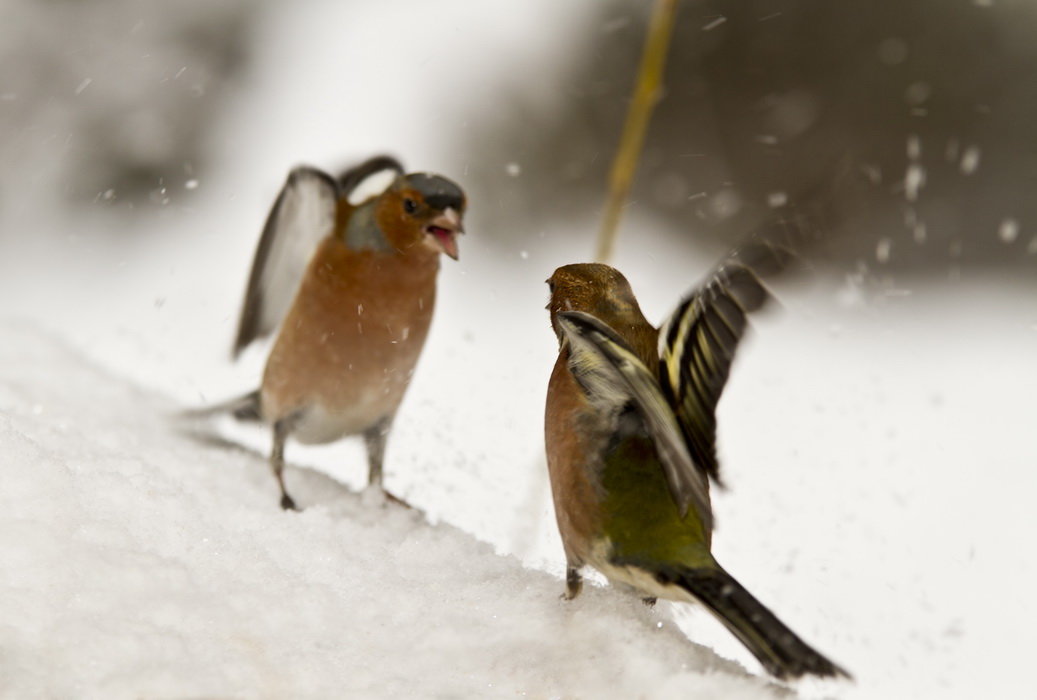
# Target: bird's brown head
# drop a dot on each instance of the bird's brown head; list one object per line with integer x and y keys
{"x": 596, "y": 289}
{"x": 423, "y": 210}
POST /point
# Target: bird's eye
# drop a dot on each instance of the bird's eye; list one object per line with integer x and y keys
{"x": 410, "y": 206}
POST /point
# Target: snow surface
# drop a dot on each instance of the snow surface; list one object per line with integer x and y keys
{"x": 880, "y": 459}
{"x": 141, "y": 563}
{"x": 879, "y": 443}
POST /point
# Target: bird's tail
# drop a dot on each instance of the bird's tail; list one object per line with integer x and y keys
{"x": 777, "y": 647}
{"x": 244, "y": 408}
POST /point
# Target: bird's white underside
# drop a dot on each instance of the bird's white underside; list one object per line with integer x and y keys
{"x": 632, "y": 579}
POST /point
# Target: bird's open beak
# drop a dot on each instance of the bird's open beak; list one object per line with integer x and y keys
{"x": 444, "y": 230}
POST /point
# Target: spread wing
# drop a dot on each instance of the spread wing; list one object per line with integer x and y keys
{"x": 612, "y": 376}
{"x": 369, "y": 178}
{"x": 697, "y": 344}
{"x": 302, "y": 215}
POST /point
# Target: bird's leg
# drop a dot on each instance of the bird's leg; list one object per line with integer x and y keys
{"x": 573, "y": 581}
{"x": 375, "y": 438}
{"x": 282, "y": 429}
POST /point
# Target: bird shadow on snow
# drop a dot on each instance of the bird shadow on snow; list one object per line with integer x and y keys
{"x": 309, "y": 487}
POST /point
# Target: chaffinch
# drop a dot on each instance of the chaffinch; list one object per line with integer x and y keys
{"x": 630, "y": 434}
{"x": 351, "y": 283}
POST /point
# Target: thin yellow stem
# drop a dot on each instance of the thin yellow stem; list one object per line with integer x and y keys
{"x": 646, "y": 95}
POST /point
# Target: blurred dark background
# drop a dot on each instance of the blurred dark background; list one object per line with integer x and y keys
{"x": 907, "y": 125}
{"x": 109, "y": 100}
{"x": 910, "y": 124}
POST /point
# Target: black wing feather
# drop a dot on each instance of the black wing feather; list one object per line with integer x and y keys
{"x": 700, "y": 340}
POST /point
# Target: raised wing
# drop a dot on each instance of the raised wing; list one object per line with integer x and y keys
{"x": 302, "y": 216}
{"x": 612, "y": 376}
{"x": 697, "y": 343}
{"x": 370, "y": 178}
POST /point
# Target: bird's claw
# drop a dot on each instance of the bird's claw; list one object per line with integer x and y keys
{"x": 397, "y": 500}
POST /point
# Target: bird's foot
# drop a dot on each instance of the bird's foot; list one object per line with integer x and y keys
{"x": 287, "y": 503}
{"x": 374, "y": 496}
{"x": 649, "y": 601}
{"x": 573, "y": 583}
{"x": 397, "y": 500}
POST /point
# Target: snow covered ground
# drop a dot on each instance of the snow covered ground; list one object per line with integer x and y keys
{"x": 880, "y": 458}
{"x": 140, "y": 563}
{"x": 879, "y": 447}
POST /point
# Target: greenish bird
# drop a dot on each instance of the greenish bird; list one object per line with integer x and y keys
{"x": 630, "y": 434}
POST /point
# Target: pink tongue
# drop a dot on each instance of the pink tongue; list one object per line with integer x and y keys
{"x": 445, "y": 238}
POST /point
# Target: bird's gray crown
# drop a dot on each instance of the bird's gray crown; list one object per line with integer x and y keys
{"x": 438, "y": 192}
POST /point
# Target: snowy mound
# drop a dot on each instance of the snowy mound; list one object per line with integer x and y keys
{"x": 140, "y": 561}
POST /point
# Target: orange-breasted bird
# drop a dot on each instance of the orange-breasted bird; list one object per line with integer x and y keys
{"x": 350, "y": 282}
{"x": 630, "y": 434}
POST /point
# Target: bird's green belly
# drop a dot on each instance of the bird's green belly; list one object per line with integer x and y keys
{"x": 642, "y": 522}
